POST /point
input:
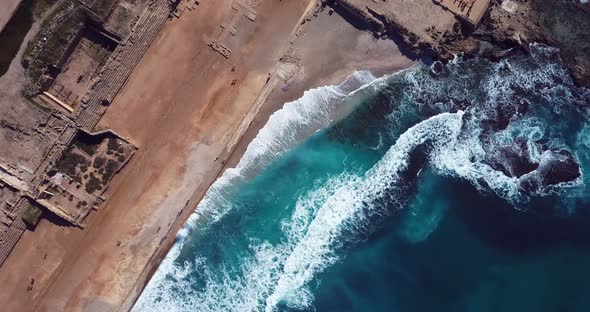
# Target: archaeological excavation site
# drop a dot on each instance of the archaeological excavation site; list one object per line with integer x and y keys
{"x": 54, "y": 162}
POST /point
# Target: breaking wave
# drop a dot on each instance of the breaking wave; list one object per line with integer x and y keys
{"x": 508, "y": 145}
{"x": 517, "y": 128}
{"x": 279, "y": 274}
{"x": 315, "y": 110}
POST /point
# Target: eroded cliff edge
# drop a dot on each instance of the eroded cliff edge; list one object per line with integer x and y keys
{"x": 430, "y": 28}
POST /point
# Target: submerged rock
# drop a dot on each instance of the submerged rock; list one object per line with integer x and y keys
{"x": 555, "y": 168}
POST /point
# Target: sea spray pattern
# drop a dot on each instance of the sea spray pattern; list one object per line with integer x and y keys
{"x": 351, "y": 204}
{"x": 297, "y": 120}
{"x": 278, "y": 232}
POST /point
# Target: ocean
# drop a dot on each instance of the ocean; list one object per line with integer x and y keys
{"x": 461, "y": 189}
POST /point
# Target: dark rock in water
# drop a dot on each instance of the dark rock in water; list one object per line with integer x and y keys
{"x": 520, "y": 165}
{"x": 556, "y": 167}
{"x": 523, "y": 107}
{"x": 512, "y": 160}
{"x": 560, "y": 167}
{"x": 503, "y": 116}
{"x": 437, "y": 67}
{"x": 496, "y": 52}
{"x": 517, "y": 158}
{"x": 499, "y": 117}
{"x": 530, "y": 183}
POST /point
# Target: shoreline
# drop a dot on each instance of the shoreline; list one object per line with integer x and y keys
{"x": 207, "y": 173}
{"x": 197, "y": 100}
{"x": 200, "y": 125}
{"x": 170, "y": 238}
{"x": 269, "y": 101}
{"x": 198, "y": 97}
{"x": 280, "y": 96}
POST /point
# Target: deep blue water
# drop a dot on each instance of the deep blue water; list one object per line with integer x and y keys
{"x": 459, "y": 191}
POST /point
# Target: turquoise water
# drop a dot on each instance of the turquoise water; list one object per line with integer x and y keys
{"x": 459, "y": 191}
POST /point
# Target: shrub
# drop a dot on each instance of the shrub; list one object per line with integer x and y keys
{"x": 93, "y": 185}
{"x": 110, "y": 169}
{"x": 98, "y": 162}
{"x": 69, "y": 162}
{"x": 113, "y": 145}
{"x": 87, "y": 148}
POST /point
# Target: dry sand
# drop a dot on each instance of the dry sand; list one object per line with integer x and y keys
{"x": 180, "y": 109}
{"x": 329, "y": 49}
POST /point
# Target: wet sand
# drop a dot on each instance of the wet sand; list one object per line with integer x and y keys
{"x": 190, "y": 123}
{"x": 330, "y": 49}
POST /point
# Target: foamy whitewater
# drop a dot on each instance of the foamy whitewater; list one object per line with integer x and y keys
{"x": 345, "y": 199}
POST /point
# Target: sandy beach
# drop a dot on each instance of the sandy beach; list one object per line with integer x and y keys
{"x": 192, "y": 113}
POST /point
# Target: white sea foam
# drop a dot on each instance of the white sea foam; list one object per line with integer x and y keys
{"x": 317, "y": 109}
{"x": 351, "y": 204}
{"x": 486, "y": 89}
{"x": 279, "y": 274}
{"x": 466, "y": 160}
{"x": 300, "y": 119}
{"x": 297, "y": 120}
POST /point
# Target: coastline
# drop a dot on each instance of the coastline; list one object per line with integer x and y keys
{"x": 194, "y": 104}
{"x": 188, "y": 131}
{"x": 284, "y": 92}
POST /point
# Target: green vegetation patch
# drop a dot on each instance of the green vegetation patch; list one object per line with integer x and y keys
{"x": 110, "y": 169}
{"x": 113, "y": 145}
{"x": 69, "y": 162}
{"x": 89, "y": 144}
{"x": 98, "y": 162}
{"x": 94, "y": 184}
{"x": 89, "y": 149}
